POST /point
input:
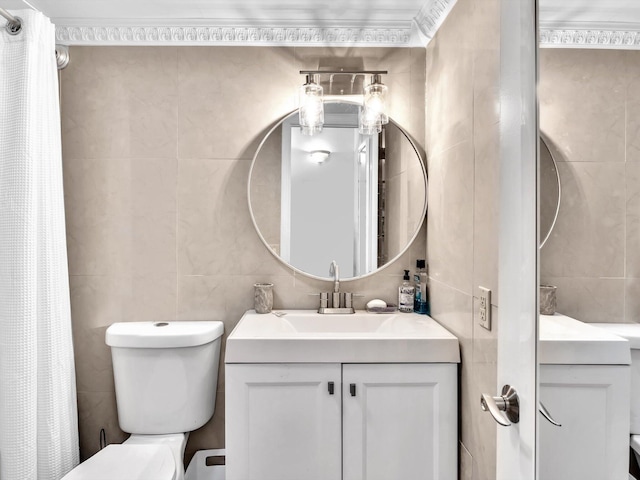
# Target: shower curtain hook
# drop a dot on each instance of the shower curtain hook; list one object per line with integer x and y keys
{"x": 14, "y": 24}
{"x": 14, "y": 28}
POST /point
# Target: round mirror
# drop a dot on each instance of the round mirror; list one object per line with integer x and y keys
{"x": 550, "y": 192}
{"x": 338, "y": 195}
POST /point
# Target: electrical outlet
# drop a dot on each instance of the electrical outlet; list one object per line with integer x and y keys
{"x": 484, "y": 308}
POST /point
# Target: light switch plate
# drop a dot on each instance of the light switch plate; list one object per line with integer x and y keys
{"x": 484, "y": 307}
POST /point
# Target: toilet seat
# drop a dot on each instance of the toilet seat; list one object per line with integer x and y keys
{"x": 133, "y": 462}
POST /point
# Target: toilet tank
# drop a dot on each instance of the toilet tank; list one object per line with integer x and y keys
{"x": 165, "y": 374}
{"x": 631, "y": 332}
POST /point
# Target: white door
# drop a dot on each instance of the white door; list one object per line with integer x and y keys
{"x": 400, "y": 422}
{"x": 287, "y": 422}
{"x": 518, "y": 257}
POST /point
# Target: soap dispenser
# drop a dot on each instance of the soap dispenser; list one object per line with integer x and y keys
{"x": 406, "y": 293}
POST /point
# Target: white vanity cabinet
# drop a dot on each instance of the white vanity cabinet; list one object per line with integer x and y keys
{"x": 382, "y": 421}
{"x": 584, "y": 384}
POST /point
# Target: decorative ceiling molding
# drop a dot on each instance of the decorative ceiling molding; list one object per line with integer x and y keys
{"x": 432, "y": 15}
{"x": 234, "y": 35}
{"x": 573, "y": 35}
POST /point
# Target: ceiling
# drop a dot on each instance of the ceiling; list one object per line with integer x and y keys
{"x": 566, "y": 23}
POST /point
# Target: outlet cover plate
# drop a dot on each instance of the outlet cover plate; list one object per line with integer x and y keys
{"x": 484, "y": 307}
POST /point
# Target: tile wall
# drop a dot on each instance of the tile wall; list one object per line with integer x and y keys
{"x": 462, "y": 143}
{"x": 589, "y": 110}
{"x": 157, "y": 144}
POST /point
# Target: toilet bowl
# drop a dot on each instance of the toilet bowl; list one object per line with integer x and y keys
{"x": 631, "y": 332}
{"x": 165, "y": 380}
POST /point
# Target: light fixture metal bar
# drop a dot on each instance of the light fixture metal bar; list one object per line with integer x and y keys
{"x": 343, "y": 72}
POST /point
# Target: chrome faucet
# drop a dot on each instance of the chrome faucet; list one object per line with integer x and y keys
{"x": 335, "y": 271}
{"x": 340, "y": 302}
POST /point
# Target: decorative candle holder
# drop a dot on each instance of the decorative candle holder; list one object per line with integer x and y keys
{"x": 263, "y": 297}
{"x": 547, "y": 299}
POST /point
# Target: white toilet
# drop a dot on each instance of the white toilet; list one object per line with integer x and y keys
{"x": 165, "y": 378}
{"x": 631, "y": 332}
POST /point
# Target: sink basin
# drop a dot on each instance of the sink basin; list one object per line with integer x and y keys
{"x": 338, "y": 324}
{"x": 306, "y": 336}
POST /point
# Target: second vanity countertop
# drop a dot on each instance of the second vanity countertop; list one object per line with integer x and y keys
{"x": 305, "y": 336}
{"x": 567, "y": 341}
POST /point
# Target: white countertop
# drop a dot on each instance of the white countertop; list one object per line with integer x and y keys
{"x": 567, "y": 341}
{"x": 308, "y": 337}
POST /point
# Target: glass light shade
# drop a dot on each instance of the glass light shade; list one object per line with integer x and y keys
{"x": 375, "y": 100}
{"x": 368, "y": 122}
{"x": 311, "y": 108}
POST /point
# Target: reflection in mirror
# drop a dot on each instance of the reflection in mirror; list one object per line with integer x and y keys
{"x": 338, "y": 195}
{"x": 550, "y": 192}
{"x": 588, "y": 109}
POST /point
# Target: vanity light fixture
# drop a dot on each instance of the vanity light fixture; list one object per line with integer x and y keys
{"x": 311, "y": 107}
{"x": 374, "y": 107}
{"x": 319, "y": 156}
{"x": 372, "y": 115}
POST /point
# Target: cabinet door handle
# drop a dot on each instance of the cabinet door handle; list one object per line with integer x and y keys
{"x": 331, "y": 387}
{"x": 352, "y": 389}
{"x": 545, "y": 413}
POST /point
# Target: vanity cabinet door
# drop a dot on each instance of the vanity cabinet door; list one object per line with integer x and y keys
{"x": 591, "y": 402}
{"x": 285, "y": 423}
{"x": 400, "y": 422}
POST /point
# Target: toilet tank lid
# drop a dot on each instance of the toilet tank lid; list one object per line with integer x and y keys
{"x": 162, "y": 334}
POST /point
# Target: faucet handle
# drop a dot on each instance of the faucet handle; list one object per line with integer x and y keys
{"x": 324, "y": 298}
{"x": 346, "y": 300}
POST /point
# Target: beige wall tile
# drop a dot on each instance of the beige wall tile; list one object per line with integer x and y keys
{"x": 97, "y": 203}
{"x": 486, "y": 65}
{"x": 97, "y": 410}
{"x": 585, "y": 131}
{"x": 449, "y": 111}
{"x": 228, "y": 94}
{"x": 450, "y": 216}
{"x": 589, "y": 235}
{"x": 95, "y": 373}
{"x": 120, "y": 102}
{"x": 590, "y": 299}
{"x": 215, "y": 232}
{"x": 99, "y": 300}
{"x": 632, "y": 231}
{"x": 486, "y": 210}
{"x": 632, "y": 301}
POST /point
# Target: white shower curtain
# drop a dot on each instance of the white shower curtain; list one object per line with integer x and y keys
{"x": 38, "y": 413}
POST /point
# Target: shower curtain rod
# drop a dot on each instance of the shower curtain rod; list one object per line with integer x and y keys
{"x": 14, "y": 25}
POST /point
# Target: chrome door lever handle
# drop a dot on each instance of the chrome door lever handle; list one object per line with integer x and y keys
{"x": 504, "y": 409}
{"x": 495, "y": 406}
{"x": 545, "y": 413}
